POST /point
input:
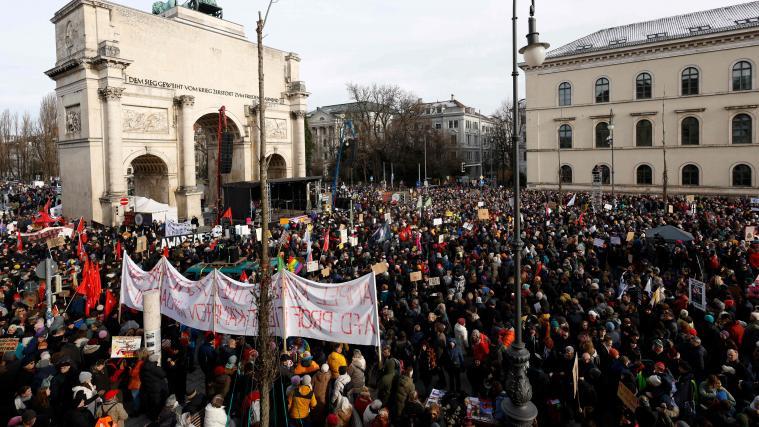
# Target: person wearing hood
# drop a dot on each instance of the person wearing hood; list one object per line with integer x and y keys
{"x": 306, "y": 366}
{"x": 357, "y": 371}
{"x": 372, "y": 411}
{"x": 405, "y": 389}
{"x": 215, "y": 414}
{"x": 61, "y": 386}
{"x": 86, "y": 389}
{"x": 100, "y": 377}
{"x": 170, "y": 413}
{"x": 301, "y": 401}
{"x": 344, "y": 412}
{"x": 340, "y": 385}
{"x": 335, "y": 360}
{"x": 454, "y": 362}
{"x": 113, "y": 408}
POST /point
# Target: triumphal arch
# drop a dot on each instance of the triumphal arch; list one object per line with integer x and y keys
{"x": 140, "y": 95}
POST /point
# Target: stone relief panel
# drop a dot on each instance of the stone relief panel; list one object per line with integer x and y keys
{"x": 145, "y": 119}
{"x": 276, "y": 129}
{"x": 69, "y": 38}
{"x": 73, "y": 116}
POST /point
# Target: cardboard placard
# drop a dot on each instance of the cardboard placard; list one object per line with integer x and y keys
{"x": 55, "y": 242}
{"x": 388, "y": 219}
{"x": 360, "y": 217}
{"x": 343, "y": 235}
{"x": 615, "y": 240}
{"x": 690, "y": 198}
{"x": 353, "y": 240}
{"x": 325, "y": 272}
{"x": 312, "y": 266}
{"x": 379, "y": 268}
{"x": 8, "y": 344}
{"x": 750, "y": 233}
{"x": 415, "y": 276}
{"x": 483, "y": 214}
{"x": 142, "y": 244}
{"x": 441, "y": 238}
{"x": 607, "y": 207}
{"x": 437, "y": 221}
{"x": 123, "y": 346}
{"x": 630, "y": 236}
{"x": 670, "y": 209}
{"x": 627, "y": 397}
{"x": 598, "y": 242}
{"x": 433, "y": 281}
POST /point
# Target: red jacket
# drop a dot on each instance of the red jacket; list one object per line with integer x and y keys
{"x": 480, "y": 351}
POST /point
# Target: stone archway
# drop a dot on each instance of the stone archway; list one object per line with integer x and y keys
{"x": 206, "y": 155}
{"x": 277, "y": 167}
{"x": 149, "y": 177}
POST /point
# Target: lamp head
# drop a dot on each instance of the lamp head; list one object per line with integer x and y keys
{"x": 535, "y": 51}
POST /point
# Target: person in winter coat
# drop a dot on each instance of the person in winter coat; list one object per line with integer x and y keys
{"x": 86, "y": 390}
{"x": 341, "y": 382}
{"x": 100, "y": 377}
{"x": 405, "y": 389}
{"x": 356, "y": 371}
{"x": 320, "y": 384}
{"x": 335, "y": 360}
{"x": 461, "y": 334}
{"x": 194, "y": 402}
{"x": 113, "y": 408}
{"x": 301, "y": 401}
{"x": 134, "y": 378}
{"x": 390, "y": 368}
{"x": 153, "y": 387}
{"x": 216, "y": 415}
{"x": 170, "y": 413}
{"x": 61, "y": 385}
{"x": 79, "y": 415}
{"x": 454, "y": 363}
{"x": 344, "y": 412}
{"x": 306, "y": 366}
{"x": 480, "y": 346}
{"x": 371, "y": 412}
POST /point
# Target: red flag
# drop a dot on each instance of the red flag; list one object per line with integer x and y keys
{"x": 228, "y": 214}
{"x": 165, "y": 251}
{"x": 110, "y": 303}
{"x": 84, "y": 284}
{"x": 94, "y": 289}
{"x": 212, "y": 246}
{"x": 80, "y": 226}
{"x": 243, "y": 277}
{"x": 325, "y": 248}
{"x": 46, "y": 209}
{"x": 80, "y": 249}
{"x": 41, "y": 291}
{"x": 118, "y": 249}
{"x": 19, "y": 242}
{"x": 83, "y": 237}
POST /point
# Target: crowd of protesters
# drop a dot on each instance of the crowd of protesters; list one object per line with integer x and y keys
{"x": 596, "y": 291}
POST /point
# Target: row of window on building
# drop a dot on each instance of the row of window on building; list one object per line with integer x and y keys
{"x": 741, "y": 131}
{"x": 689, "y": 84}
{"x": 690, "y": 174}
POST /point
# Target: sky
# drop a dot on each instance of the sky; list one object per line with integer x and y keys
{"x": 432, "y": 48}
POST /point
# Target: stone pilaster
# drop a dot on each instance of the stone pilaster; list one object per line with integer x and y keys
{"x": 112, "y": 97}
{"x": 299, "y": 144}
{"x": 187, "y": 195}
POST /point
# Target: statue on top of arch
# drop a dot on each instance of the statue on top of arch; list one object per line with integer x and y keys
{"x": 209, "y": 7}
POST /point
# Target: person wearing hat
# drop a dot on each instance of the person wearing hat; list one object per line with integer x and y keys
{"x": 215, "y": 413}
{"x": 335, "y": 360}
{"x": 356, "y": 371}
{"x": 88, "y": 390}
{"x": 78, "y": 415}
{"x": 194, "y": 402}
{"x": 307, "y": 365}
{"x": 320, "y": 384}
{"x": 170, "y": 414}
{"x": 113, "y": 408}
{"x": 301, "y": 401}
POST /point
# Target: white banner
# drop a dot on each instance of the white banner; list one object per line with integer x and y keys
{"x": 346, "y": 312}
{"x": 178, "y": 228}
{"x": 342, "y": 312}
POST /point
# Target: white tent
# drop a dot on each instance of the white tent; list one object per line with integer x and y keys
{"x": 159, "y": 211}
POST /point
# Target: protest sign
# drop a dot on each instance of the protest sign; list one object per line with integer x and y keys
{"x": 388, "y": 219}
{"x": 126, "y": 347}
{"x": 437, "y": 221}
{"x": 379, "y": 268}
{"x": 441, "y": 238}
{"x": 343, "y": 235}
{"x": 697, "y": 294}
{"x": 353, "y": 240}
{"x": 627, "y": 397}
{"x": 607, "y": 207}
{"x": 630, "y": 236}
{"x": 55, "y": 242}
{"x": 142, "y": 244}
{"x": 433, "y": 281}
{"x": 598, "y": 242}
{"x": 325, "y": 272}
{"x": 615, "y": 240}
{"x": 448, "y": 214}
{"x": 483, "y": 214}
{"x": 670, "y": 208}
{"x": 415, "y": 276}
{"x": 480, "y": 204}
{"x": 47, "y": 233}
{"x": 312, "y": 266}
{"x": 178, "y": 228}
{"x": 360, "y": 218}
{"x": 750, "y": 233}
{"x": 8, "y": 344}
{"x": 690, "y": 198}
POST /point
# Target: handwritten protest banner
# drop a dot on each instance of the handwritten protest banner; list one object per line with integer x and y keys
{"x": 142, "y": 244}
{"x": 483, "y": 214}
{"x": 379, "y": 268}
{"x": 415, "y": 276}
{"x": 8, "y": 344}
{"x": 124, "y": 346}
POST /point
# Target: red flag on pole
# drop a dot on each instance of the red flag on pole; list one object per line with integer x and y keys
{"x": 46, "y": 209}
{"x": 118, "y": 250}
{"x": 228, "y": 214}
{"x": 19, "y": 242}
{"x": 80, "y": 226}
{"x": 80, "y": 249}
{"x": 110, "y": 303}
{"x": 165, "y": 252}
{"x": 243, "y": 277}
{"x": 325, "y": 248}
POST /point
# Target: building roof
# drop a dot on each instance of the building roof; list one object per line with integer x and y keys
{"x": 348, "y": 107}
{"x": 711, "y": 21}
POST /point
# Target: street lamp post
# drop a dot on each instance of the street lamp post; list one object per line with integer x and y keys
{"x": 425, "y": 159}
{"x": 519, "y": 409}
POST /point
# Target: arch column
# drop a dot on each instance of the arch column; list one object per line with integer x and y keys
{"x": 299, "y": 144}
{"x": 112, "y": 97}
{"x": 187, "y": 194}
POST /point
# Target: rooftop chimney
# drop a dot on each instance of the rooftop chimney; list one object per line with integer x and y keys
{"x": 453, "y": 97}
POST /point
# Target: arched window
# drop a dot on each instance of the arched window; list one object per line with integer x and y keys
{"x": 742, "y": 76}
{"x": 689, "y": 131}
{"x": 690, "y": 175}
{"x": 644, "y": 134}
{"x": 565, "y": 136}
{"x": 643, "y": 86}
{"x": 690, "y": 81}
{"x": 602, "y": 90}
{"x": 566, "y": 174}
{"x": 602, "y": 135}
{"x": 644, "y": 175}
{"x": 742, "y": 129}
{"x": 565, "y": 94}
{"x": 603, "y": 173}
{"x": 742, "y": 176}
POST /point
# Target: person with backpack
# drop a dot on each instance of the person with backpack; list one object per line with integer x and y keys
{"x": 300, "y": 402}
{"x": 113, "y": 408}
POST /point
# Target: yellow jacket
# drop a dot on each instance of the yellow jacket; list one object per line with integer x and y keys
{"x": 335, "y": 360}
{"x": 301, "y": 370}
{"x": 300, "y": 402}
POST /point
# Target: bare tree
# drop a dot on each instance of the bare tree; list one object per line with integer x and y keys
{"x": 6, "y": 135}
{"x": 501, "y": 139}
{"x": 47, "y": 136}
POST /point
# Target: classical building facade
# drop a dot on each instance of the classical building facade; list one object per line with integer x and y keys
{"x": 624, "y": 102}
{"x": 468, "y": 130}
{"x": 140, "y": 97}
{"x": 325, "y": 124}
